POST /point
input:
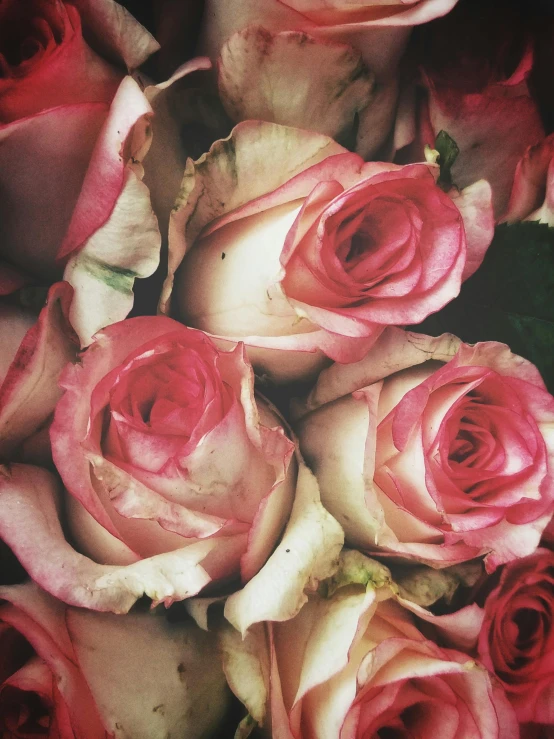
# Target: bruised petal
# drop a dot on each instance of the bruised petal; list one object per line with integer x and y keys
{"x": 258, "y": 79}
{"x": 112, "y": 30}
{"x": 173, "y": 682}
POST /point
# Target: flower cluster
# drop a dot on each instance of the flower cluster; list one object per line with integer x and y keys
{"x": 276, "y": 435}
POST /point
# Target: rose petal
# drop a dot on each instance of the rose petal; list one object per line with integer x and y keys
{"x": 29, "y": 524}
{"x": 258, "y": 79}
{"x": 30, "y": 389}
{"x": 115, "y": 32}
{"x": 173, "y": 682}
{"x": 306, "y": 554}
{"x": 41, "y": 189}
{"x": 106, "y": 175}
{"x": 104, "y": 270}
{"x": 41, "y": 620}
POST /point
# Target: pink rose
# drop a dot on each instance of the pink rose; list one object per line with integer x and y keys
{"x": 517, "y": 638}
{"x": 73, "y": 131}
{"x": 353, "y": 664}
{"x": 351, "y": 48}
{"x": 434, "y": 450}
{"x": 163, "y": 449}
{"x": 480, "y": 96}
{"x": 303, "y": 251}
{"x": 72, "y": 674}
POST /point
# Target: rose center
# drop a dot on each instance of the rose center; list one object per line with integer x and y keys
{"x": 27, "y": 33}
{"x": 374, "y": 243}
{"x": 23, "y": 713}
{"x": 528, "y": 622}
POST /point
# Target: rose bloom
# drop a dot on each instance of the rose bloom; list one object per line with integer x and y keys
{"x": 162, "y": 445}
{"x": 309, "y": 31}
{"x": 354, "y": 665}
{"x": 480, "y": 95}
{"x": 307, "y": 252}
{"x": 73, "y": 131}
{"x": 433, "y": 450}
{"x": 54, "y": 663}
{"x": 517, "y": 638}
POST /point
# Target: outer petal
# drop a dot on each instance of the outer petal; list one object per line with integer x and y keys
{"x": 246, "y": 665}
{"x": 150, "y": 677}
{"x": 118, "y": 143}
{"x": 534, "y": 174}
{"x": 258, "y": 79}
{"x": 30, "y": 389}
{"x": 40, "y": 190}
{"x": 14, "y": 324}
{"x": 30, "y": 525}
{"x": 306, "y": 554}
{"x": 475, "y": 204}
{"x": 112, "y": 30}
{"x": 104, "y": 270}
{"x": 167, "y": 157}
{"x": 364, "y": 14}
{"x": 41, "y": 620}
{"x": 395, "y": 350}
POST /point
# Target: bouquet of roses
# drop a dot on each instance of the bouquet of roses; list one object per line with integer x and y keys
{"x": 276, "y": 435}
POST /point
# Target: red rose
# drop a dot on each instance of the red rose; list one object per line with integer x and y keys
{"x": 517, "y": 637}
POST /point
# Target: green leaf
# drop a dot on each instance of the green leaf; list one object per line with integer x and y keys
{"x": 510, "y": 297}
{"x": 448, "y": 153}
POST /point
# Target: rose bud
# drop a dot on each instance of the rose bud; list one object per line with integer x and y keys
{"x": 353, "y": 664}
{"x": 54, "y": 663}
{"x": 433, "y": 450}
{"x": 35, "y": 351}
{"x": 516, "y": 642}
{"x": 303, "y": 251}
{"x": 73, "y": 131}
{"x": 163, "y": 446}
{"x": 532, "y": 196}
{"x": 355, "y": 50}
{"x": 479, "y": 95}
